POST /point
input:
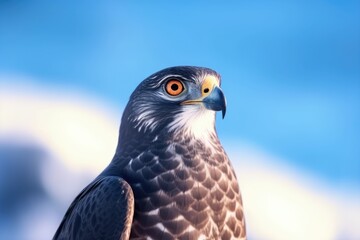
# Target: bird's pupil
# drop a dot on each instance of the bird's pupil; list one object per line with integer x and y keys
{"x": 206, "y": 90}
{"x": 174, "y": 87}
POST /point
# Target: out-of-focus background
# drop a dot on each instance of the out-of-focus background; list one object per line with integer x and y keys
{"x": 291, "y": 75}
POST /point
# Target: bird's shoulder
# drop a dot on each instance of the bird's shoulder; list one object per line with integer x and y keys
{"x": 107, "y": 197}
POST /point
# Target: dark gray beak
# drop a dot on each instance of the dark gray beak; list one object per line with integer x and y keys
{"x": 216, "y": 101}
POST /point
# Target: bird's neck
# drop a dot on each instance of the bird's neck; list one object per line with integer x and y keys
{"x": 149, "y": 139}
{"x": 133, "y": 142}
{"x": 185, "y": 128}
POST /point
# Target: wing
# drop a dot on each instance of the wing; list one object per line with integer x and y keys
{"x": 103, "y": 210}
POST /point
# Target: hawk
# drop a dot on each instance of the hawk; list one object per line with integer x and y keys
{"x": 170, "y": 178}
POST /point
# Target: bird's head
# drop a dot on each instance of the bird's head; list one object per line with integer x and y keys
{"x": 176, "y": 99}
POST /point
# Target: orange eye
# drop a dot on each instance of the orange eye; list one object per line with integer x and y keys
{"x": 174, "y": 87}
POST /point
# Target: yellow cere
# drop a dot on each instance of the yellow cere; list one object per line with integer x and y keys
{"x": 208, "y": 84}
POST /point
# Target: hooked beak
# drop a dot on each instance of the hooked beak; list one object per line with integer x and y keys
{"x": 213, "y": 99}
{"x": 216, "y": 101}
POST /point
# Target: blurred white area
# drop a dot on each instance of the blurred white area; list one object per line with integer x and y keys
{"x": 282, "y": 202}
{"x": 75, "y": 128}
{"x": 79, "y": 135}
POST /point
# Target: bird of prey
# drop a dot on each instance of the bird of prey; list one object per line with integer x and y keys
{"x": 170, "y": 178}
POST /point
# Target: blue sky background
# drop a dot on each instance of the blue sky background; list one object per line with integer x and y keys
{"x": 291, "y": 69}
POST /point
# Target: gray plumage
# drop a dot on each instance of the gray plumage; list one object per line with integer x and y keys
{"x": 170, "y": 177}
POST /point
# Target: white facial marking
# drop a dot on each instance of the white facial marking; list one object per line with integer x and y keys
{"x": 195, "y": 120}
{"x": 144, "y": 119}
